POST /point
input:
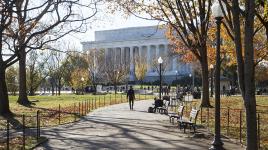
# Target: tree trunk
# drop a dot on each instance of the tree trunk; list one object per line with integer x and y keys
{"x": 205, "y": 83}
{"x": 23, "y": 99}
{"x": 250, "y": 105}
{"x": 249, "y": 99}
{"x": 4, "y": 101}
{"x": 59, "y": 88}
{"x": 115, "y": 89}
{"x": 31, "y": 91}
{"x": 52, "y": 88}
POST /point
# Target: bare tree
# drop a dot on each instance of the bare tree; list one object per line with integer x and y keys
{"x": 35, "y": 20}
{"x": 115, "y": 73}
{"x": 235, "y": 18}
{"x": 35, "y": 71}
{"x": 6, "y": 60}
{"x": 96, "y": 60}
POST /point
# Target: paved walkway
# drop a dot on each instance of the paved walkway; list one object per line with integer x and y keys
{"x": 116, "y": 127}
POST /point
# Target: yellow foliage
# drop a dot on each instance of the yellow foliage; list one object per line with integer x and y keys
{"x": 77, "y": 77}
{"x": 141, "y": 67}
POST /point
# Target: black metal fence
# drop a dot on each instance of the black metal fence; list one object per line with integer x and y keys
{"x": 23, "y": 131}
{"x": 19, "y": 130}
{"x": 233, "y": 122}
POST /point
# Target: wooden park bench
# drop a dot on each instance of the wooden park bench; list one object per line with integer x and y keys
{"x": 177, "y": 115}
{"x": 191, "y": 121}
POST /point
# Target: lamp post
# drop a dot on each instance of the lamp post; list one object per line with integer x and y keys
{"x": 176, "y": 75}
{"x": 211, "y": 80}
{"x": 190, "y": 75}
{"x": 218, "y": 14}
{"x": 82, "y": 79}
{"x": 160, "y": 61}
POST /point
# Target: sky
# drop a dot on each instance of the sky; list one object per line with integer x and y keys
{"x": 107, "y": 22}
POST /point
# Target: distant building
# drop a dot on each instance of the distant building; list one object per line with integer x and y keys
{"x": 127, "y": 44}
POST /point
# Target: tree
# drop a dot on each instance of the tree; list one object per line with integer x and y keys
{"x": 79, "y": 78}
{"x": 95, "y": 59}
{"x": 187, "y": 21}
{"x": 72, "y": 61}
{"x": 141, "y": 67}
{"x": 233, "y": 19}
{"x": 34, "y": 20}
{"x": 261, "y": 73}
{"x": 6, "y": 60}
{"x": 35, "y": 71}
{"x": 56, "y": 68}
{"x": 115, "y": 73}
{"x": 11, "y": 79}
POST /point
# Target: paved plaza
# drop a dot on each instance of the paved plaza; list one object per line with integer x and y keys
{"x": 116, "y": 127}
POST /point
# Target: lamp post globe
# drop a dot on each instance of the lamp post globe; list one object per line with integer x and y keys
{"x": 218, "y": 14}
{"x": 160, "y": 61}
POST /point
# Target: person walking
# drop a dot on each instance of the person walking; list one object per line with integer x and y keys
{"x": 131, "y": 97}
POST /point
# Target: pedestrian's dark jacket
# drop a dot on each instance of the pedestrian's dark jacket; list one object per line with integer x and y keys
{"x": 131, "y": 94}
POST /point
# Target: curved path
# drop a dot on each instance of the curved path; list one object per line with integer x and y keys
{"x": 116, "y": 127}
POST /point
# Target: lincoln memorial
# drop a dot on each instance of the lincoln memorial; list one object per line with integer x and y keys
{"x": 149, "y": 43}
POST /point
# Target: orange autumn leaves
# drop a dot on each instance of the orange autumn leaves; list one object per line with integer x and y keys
{"x": 228, "y": 54}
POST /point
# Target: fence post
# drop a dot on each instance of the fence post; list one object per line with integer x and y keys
{"x": 82, "y": 109}
{"x": 95, "y": 101}
{"x": 23, "y": 131}
{"x": 99, "y": 101}
{"x": 92, "y": 104}
{"x": 59, "y": 113}
{"x": 121, "y": 99}
{"x": 259, "y": 133}
{"x": 86, "y": 106}
{"x": 74, "y": 112}
{"x": 104, "y": 100}
{"x": 7, "y": 134}
{"x": 201, "y": 112}
{"x": 228, "y": 120}
{"x": 37, "y": 125}
{"x": 115, "y": 102}
{"x": 110, "y": 99}
{"x": 208, "y": 117}
{"x": 145, "y": 94}
{"x": 240, "y": 126}
{"x": 79, "y": 109}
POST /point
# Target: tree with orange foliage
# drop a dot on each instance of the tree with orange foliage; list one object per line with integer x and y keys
{"x": 187, "y": 21}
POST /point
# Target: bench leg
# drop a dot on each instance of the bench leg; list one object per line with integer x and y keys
{"x": 184, "y": 127}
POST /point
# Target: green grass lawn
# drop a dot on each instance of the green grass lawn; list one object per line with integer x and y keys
{"x": 55, "y": 110}
{"x": 70, "y": 111}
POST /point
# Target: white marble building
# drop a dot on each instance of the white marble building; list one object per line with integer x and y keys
{"x": 149, "y": 42}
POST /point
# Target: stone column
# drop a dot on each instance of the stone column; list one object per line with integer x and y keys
{"x": 157, "y": 51}
{"x": 148, "y": 58}
{"x": 105, "y": 55}
{"x": 131, "y": 74}
{"x": 140, "y": 52}
{"x": 123, "y": 59}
